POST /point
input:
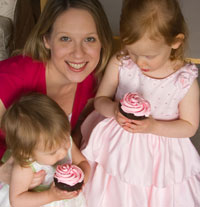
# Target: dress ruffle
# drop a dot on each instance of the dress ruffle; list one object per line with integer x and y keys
{"x": 159, "y": 170}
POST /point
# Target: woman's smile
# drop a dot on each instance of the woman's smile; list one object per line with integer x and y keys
{"x": 77, "y": 67}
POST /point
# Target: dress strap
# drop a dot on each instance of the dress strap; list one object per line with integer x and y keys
{"x": 70, "y": 150}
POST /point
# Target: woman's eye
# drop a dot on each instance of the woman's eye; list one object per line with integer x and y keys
{"x": 90, "y": 39}
{"x": 65, "y": 39}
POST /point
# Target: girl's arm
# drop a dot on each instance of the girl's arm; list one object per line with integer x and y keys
{"x": 103, "y": 102}
{"x": 20, "y": 196}
{"x": 185, "y": 126}
{"x": 79, "y": 159}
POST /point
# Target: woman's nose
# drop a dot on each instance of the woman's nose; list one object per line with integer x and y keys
{"x": 78, "y": 51}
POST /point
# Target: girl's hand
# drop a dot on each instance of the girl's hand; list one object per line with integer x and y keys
{"x": 140, "y": 126}
{"x": 6, "y": 169}
{"x": 58, "y": 194}
{"x": 38, "y": 178}
{"x": 122, "y": 120}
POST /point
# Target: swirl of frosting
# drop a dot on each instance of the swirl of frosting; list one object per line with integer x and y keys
{"x": 133, "y": 103}
{"x": 69, "y": 174}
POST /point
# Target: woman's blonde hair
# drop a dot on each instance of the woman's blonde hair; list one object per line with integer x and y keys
{"x": 33, "y": 119}
{"x": 35, "y": 47}
{"x": 158, "y": 18}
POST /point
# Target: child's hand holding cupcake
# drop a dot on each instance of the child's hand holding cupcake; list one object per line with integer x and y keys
{"x": 133, "y": 113}
{"x": 69, "y": 177}
{"x": 68, "y": 182}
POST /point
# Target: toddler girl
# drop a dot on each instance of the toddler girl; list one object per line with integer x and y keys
{"x": 38, "y": 135}
{"x": 150, "y": 162}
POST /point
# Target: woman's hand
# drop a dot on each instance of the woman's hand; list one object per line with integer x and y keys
{"x": 5, "y": 171}
{"x": 140, "y": 126}
{"x": 57, "y": 194}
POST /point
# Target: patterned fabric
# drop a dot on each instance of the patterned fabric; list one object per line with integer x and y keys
{"x": 138, "y": 169}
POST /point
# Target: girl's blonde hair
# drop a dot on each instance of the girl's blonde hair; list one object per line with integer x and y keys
{"x": 158, "y": 18}
{"x": 35, "y": 47}
{"x": 33, "y": 119}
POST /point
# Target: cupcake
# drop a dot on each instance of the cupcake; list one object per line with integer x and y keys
{"x": 68, "y": 177}
{"x": 133, "y": 106}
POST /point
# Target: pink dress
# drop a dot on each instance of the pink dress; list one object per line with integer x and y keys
{"x": 143, "y": 170}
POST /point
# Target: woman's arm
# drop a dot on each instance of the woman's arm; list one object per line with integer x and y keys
{"x": 76, "y": 132}
{"x": 5, "y": 171}
{"x": 103, "y": 102}
{"x": 79, "y": 159}
{"x": 185, "y": 126}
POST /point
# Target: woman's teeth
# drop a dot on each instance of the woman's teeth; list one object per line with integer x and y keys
{"x": 76, "y": 65}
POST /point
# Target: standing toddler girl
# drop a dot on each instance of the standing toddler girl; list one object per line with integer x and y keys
{"x": 38, "y": 135}
{"x": 150, "y": 162}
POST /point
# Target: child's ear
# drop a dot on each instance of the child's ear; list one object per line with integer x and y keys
{"x": 178, "y": 41}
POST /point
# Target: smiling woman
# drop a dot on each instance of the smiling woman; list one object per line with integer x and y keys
{"x": 76, "y": 49}
{"x": 63, "y": 58}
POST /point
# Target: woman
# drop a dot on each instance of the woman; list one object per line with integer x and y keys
{"x": 69, "y": 46}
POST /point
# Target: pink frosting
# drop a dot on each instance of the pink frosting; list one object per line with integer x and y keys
{"x": 69, "y": 174}
{"x": 133, "y": 103}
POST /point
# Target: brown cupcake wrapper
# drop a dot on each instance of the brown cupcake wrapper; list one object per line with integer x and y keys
{"x": 129, "y": 115}
{"x": 69, "y": 188}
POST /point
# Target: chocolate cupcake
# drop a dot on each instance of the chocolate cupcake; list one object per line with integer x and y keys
{"x": 133, "y": 106}
{"x": 68, "y": 177}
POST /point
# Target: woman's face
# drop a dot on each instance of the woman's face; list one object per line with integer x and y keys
{"x": 74, "y": 44}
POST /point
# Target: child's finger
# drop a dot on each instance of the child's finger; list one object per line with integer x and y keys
{"x": 71, "y": 194}
{"x": 38, "y": 178}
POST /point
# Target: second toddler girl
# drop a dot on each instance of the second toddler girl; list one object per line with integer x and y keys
{"x": 150, "y": 162}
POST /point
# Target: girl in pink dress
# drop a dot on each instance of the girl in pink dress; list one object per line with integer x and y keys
{"x": 150, "y": 162}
